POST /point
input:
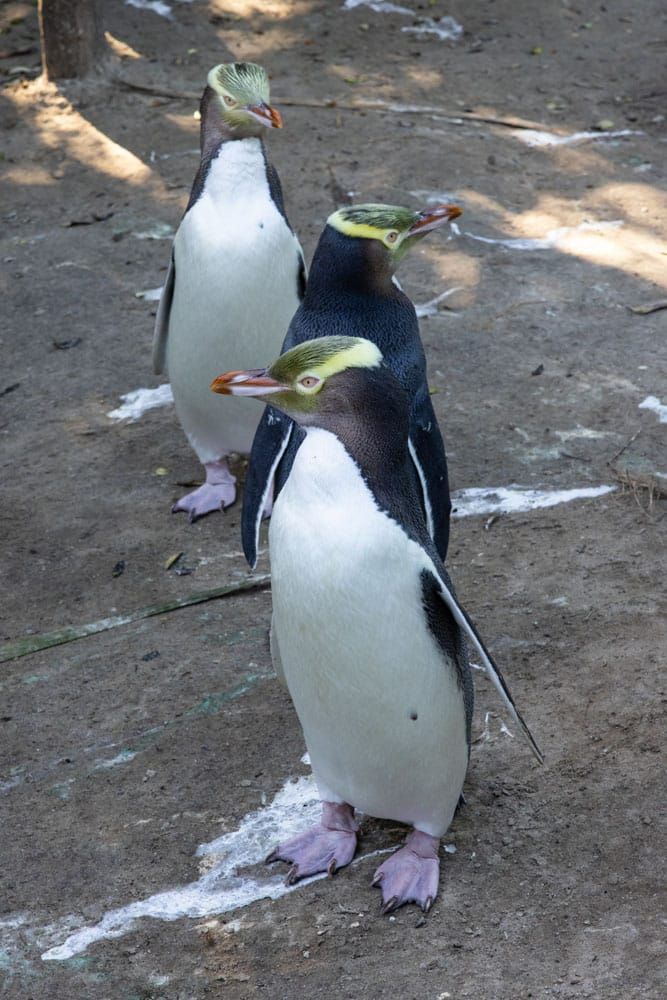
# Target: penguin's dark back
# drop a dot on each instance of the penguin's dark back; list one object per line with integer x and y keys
{"x": 389, "y": 321}
{"x": 350, "y": 293}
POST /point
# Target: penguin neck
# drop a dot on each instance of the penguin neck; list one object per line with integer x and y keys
{"x": 370, "y": 419}
{"x": 249, "y": 166}
{"x": 214, "y": 130}
{"x": 346, "y": 266}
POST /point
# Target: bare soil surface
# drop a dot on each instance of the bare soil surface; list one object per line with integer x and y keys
{"x": 124, "y": 751}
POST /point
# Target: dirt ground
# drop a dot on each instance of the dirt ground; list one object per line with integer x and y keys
{"x": 124, "y": 751}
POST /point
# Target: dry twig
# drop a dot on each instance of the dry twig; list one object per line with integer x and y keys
{"x": 33, "y": 644}
{"x": 456, "y": 117}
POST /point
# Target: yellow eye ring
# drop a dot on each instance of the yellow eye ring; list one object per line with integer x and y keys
{"x": 229, "y": 101}
{"x": 309, "y": 382}
{"x": 391, "y": 237}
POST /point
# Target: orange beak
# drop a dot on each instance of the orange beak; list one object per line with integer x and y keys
{"x": 433, "y": 218}
{"x": 253, "y": 382}
{"x": 267, "y": 115}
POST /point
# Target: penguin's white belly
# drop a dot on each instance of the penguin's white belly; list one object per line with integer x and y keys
{"x": 380, "y": 705}
{"x": 235, "y": 293}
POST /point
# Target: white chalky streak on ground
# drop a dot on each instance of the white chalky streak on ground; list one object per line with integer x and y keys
{"x": 653, "y": 403}
{"x": 157, "y": 6}
{"x": 220, "y": 888}
{"x": 379, "y": 6}
{"x": 447, "y": 28}
{"x": 137, "y": 402}
{"x": 434, "y": 197}
{"x": 533, "y": 137}
{"x": 517, "y": 499}
{"x": 150, "y": 294}
{"x": 430, "y": 308}
{"x": 547, "y": 242}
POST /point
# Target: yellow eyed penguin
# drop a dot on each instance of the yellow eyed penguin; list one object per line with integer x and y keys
{"x": 352, "y": 292}
{"x": 235, "y": 278}
{"x": 366, "y": 627}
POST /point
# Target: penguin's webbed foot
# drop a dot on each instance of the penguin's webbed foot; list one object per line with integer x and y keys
{"x": 218, "y": 492}
{"x": 325, "y": 847}
{"x": 411, "y": 874}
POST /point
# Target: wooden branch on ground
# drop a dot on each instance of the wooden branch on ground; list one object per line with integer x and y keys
{"x": 380, "y": 106}
{"x": 35, "y": 643}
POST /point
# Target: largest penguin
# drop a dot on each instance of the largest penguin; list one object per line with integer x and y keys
{"x": 352, "y": 292}
{"x": 235, "y": 278}
{"x": 366, "y": 628}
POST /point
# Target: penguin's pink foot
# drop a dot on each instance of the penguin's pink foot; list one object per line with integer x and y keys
{"x": 326, "y": 847}
{"x": 218, "y": 492}
{"x": 411, "y": 874}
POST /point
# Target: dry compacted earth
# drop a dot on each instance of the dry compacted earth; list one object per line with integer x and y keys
{"x": 123, "y": 752}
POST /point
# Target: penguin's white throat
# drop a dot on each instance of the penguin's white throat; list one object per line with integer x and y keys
{"x": 238, "y": 172}
{"x": 324, "y": 472}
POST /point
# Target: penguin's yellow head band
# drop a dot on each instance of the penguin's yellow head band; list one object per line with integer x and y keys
{"x": 307, "y": 366}
{"x": 299, "y": 375}
{"x": 394, "y": 226}
{"x": 243, "y": 94}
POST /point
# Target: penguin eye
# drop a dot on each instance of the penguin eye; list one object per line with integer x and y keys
{"x": 229, "y": 101}
{"x": 309, "y": 381}
{"x": 391, "y": 237}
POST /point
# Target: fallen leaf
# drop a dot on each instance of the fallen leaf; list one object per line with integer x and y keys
{"x": 648, "y": 307}
{"x": 65, "y": 345}
{"x": 168, "y": 563}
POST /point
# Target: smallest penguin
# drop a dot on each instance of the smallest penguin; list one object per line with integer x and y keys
{"x": 235, "y": 278}
{"x": 366, "y": 628}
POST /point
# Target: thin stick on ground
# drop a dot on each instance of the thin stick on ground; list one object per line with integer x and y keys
{"x": 456, "y": 117}
{"x": 35, "y": 643}
{"x": 620, "y": 451}
{"x": 636, "y": 482}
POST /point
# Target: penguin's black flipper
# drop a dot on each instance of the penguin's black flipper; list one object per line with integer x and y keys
{"x": 271, "y": 439}
{"x": 461, "y": 618}
{"x": 427, "y": 451}
{"x": 162, "y": 319}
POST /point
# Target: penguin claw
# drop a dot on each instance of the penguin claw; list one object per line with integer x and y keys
{"x": 206, "y": 499}
{"x": 319, "y": 849}
{"x": 410, "y": 875}
{"x": 292, "y": 876}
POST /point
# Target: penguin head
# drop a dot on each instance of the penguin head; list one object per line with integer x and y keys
{"x": 318, "y": 381}
{"x": 241, "y": 98}
{"x": 387, "y": 232}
